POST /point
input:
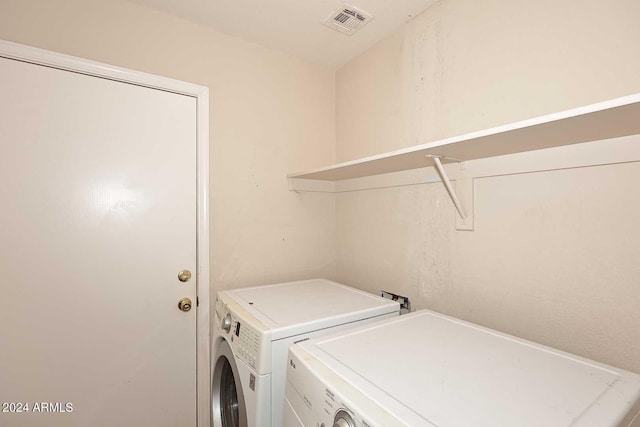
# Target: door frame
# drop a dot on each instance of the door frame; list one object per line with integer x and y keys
{"x": 61, "y": 61}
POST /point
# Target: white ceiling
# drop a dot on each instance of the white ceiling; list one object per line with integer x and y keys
{"x": 295, "y": 26}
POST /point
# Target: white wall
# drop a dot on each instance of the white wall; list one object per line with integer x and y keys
{"x": 270, "y": 114}
{"x": 554, "y": 257}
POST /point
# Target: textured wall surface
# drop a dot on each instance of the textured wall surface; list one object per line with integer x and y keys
{"x": 463, "y": 66}
{"x": 554, "y": 257}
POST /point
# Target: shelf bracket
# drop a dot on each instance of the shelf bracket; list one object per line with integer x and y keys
{"x": 447, "y": 185}
{"x": 465, "y": 186}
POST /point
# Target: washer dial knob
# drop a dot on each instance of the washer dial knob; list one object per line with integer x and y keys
{"x": 343, "y": 419}
{"x": 226, "y": 322}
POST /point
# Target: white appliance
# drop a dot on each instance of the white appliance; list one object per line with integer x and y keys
{"x": 427, "y": 369}
{"x": 253, "y": 329}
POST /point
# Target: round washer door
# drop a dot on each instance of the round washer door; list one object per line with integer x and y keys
{"x": 227, "y": 399}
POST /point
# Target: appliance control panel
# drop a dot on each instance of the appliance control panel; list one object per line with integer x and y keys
{"x": 316, "y": 401}
{"x": 247, "y": 342}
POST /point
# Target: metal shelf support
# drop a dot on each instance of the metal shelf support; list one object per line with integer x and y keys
{"x": 447, "y": 185}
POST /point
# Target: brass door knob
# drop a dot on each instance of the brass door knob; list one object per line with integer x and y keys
{"x": 184, "y": 304}
{"x": 184, "y": 275}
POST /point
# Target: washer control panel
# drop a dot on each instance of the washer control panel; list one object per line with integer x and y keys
{"x": 245, "y": 339}
{"x": 247, "y": 342}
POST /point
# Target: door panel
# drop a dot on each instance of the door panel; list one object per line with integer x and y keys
{"x": 98, "y": 190}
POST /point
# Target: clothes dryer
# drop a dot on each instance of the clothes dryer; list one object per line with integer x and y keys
{"x": 427, "y": 369}
{"x": 253, "y": 329}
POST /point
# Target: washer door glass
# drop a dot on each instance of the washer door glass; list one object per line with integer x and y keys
{"x": 227, "y": 399}
{"x": 228, "y": 396}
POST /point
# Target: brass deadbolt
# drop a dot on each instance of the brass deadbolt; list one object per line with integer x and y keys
{"x": 184, "y": 304}
{"x": 184, "y": 275}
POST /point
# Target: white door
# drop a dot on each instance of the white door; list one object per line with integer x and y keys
{"x": 97, "y": 217}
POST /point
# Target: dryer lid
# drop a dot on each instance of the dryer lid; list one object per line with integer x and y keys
{"x": 447, "y": 372}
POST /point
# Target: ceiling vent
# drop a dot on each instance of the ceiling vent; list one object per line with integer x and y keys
{"x": 347, "y": 19}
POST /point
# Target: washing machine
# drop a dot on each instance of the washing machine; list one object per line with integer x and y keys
{"x": 427, "y": 369}
{"x": 253, "y": 329}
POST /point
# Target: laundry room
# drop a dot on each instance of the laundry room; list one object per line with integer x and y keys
{"x": 478, "y": 158}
